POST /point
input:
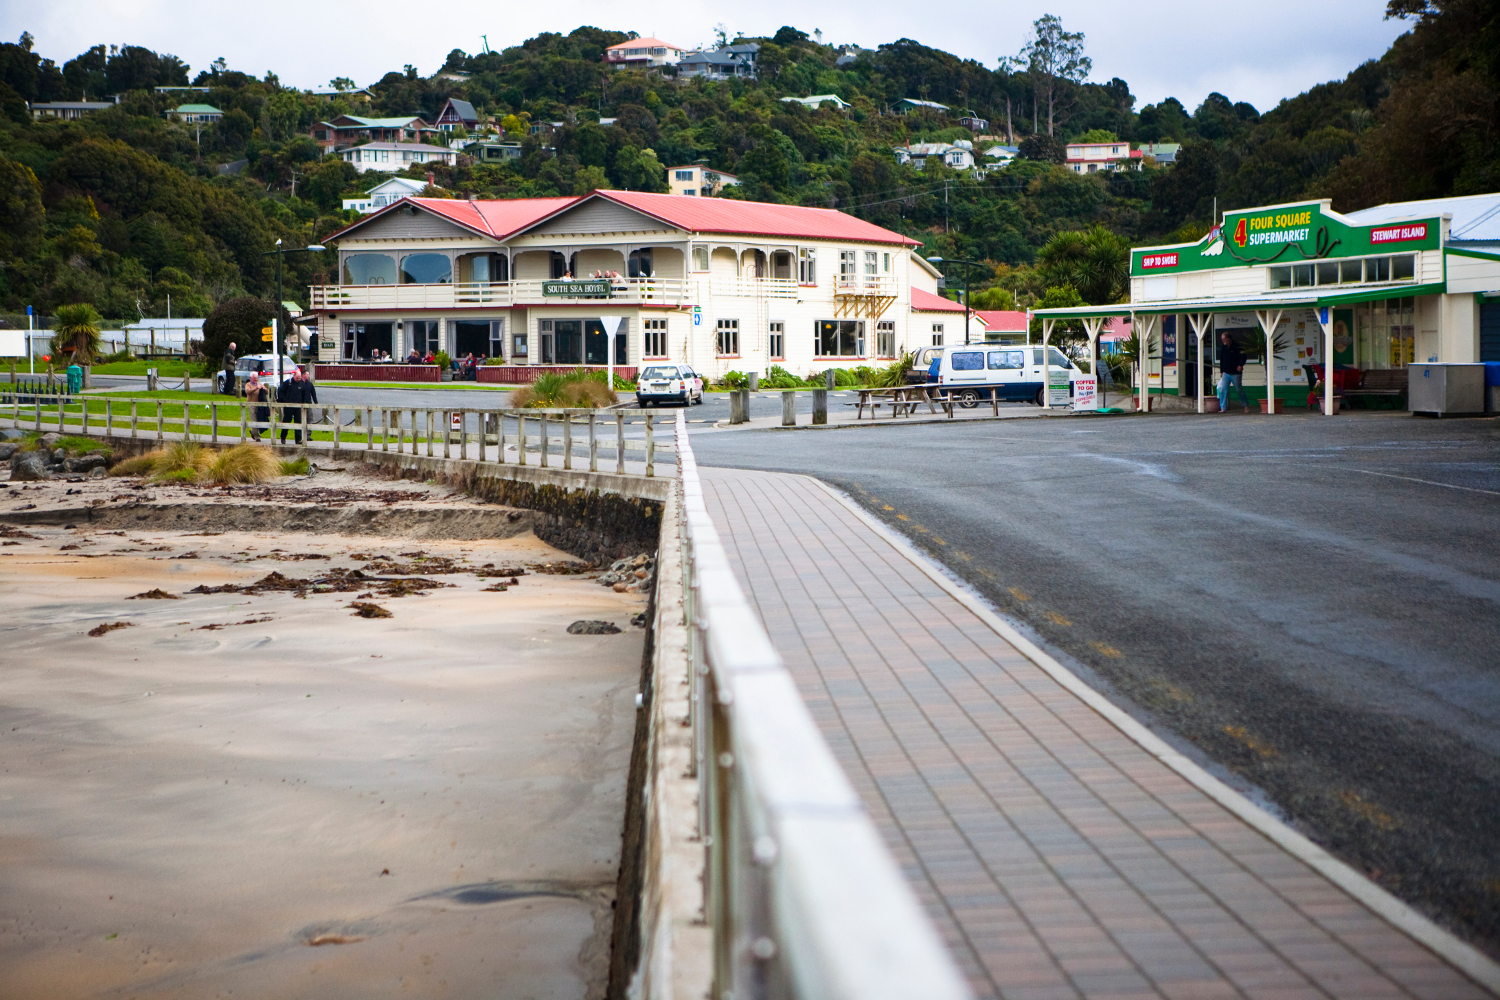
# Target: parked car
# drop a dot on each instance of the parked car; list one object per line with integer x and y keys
{"x": 984, "y": 371}
{"x": 668, "y": 383}
{"x": 258, "y": 364}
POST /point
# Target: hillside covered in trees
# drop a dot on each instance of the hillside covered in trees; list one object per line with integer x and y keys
{"x": 123, "y": 208}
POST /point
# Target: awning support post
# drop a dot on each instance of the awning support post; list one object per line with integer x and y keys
{"x": 1092, "y": 325}
{"x": 1046, "y": 368}
{"x": 1200, "y": 323}
{"x": 1270, "y": 331}
{"x": 1325, "y": 320}
{"x": 1144, "y": 327}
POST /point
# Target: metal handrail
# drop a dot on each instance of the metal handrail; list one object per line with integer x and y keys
{"x": 803, "y": 899}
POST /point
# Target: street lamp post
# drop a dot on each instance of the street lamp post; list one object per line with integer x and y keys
{"x": 276, "y": 312}
{"x": 965, "y": 280}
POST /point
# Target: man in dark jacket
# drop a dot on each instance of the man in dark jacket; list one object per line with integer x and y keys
{"x": 1231, "y": 368}
{"x": 229, "y": 370}
{"x": 291, "y": 416}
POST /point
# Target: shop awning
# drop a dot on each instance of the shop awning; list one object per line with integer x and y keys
{"x": 1308, "y": 299}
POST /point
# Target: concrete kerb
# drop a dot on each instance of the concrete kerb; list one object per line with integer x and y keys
{"x": 1463, "y": 956}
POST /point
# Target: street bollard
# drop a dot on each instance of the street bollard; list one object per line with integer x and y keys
{"x": 789, "y": 408}
{"x": 754, "y": 381}
{"x": 830, "y": 382}
{"x": 820, "y": 405}
{"x": 739, "y": 406}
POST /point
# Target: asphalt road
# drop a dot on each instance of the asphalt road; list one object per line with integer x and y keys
{"x": 1313, "y": 604}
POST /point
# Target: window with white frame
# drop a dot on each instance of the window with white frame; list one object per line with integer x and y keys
{"x": 700, "y": 258}
{"x": 684, "y": 175}
{"x": 777, "y": 340}
{"x": 937, "y": 335}
{"x": 885, "y": 338}
{"x": 807, "y": 265}
{"x": 871, "y": 265}
{"x": 887, "y": 263}
{"x": 846, "y": 267}
{"x": 655, "y": 337}
{"x": 497, "y": 338}
{"x": 839, "y": 338}
{"x": 727, "y": 338}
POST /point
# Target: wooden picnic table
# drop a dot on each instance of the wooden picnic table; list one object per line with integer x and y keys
{"x": 902, "y": 399}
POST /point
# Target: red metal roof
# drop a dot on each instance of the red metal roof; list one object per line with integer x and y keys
{"x": 490, "y": 218}
{"x": 927, "y": 302}
{"x": 1002, "y": 320}
{"x": 754, "y": 218}
{"x": 645, "y": 43}
{"x": 505, "y": 218}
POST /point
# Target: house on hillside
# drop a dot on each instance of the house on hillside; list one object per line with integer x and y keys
{"x": 195, "y": 114}
{"x": 387, "y": 192}
{"x": 1003, "y": 326}
{"x": 348, "y": 130}
{"x": 456, "y": 113}
{"x": 696, "y": 180}
{"x": 728, "y": 62}
{"x": 1164, "y": 153}
{"x": 494, "y": 151}
{"x": 181, "y": 90}
{"x": 907, "y": 105}
{"x": 1093, "y": 157}
{"x": 629, "y": 278}
{"x": 958, "y": 156}
{"x": 329, "y": 93}
{"x": 816, "y": 101}
{"x": 68, "y": 109}
{"x": 1001, "y": 155}
{"x": 973, "y": 122}
{"x": 849, "y": 54}
{"x": 392, "y": 157}
{"x": 642, "y": 53}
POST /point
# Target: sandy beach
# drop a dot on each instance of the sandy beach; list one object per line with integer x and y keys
{"x": 263, "y": 793}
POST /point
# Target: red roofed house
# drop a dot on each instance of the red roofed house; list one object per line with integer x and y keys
{"x": 716, "y": 283}
{"x": 642, "y": 53}
{"x": 1003, "y": 326}
{"x": 1092, "y": 157}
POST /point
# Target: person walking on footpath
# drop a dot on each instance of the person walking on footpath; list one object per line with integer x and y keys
{"x": 306, "y": 393}
{"x": 1231, "y": 370}
{"x": 229, "y": 369}
{"x": 260, "y": 416}
{"x": 291, "y": 416}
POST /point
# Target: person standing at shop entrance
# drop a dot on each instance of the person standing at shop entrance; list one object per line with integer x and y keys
{"x": 1231, "y": 371}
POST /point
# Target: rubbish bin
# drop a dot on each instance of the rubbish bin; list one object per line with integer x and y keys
{"x": 1445, "y": 389}
{"x": 75, "y": 379}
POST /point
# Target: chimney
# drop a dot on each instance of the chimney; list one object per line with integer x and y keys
{"x": 432, "y": 179}
{"x": 473, "y": 196}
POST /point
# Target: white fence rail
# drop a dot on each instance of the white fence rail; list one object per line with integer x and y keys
{"x": 556, "y": 434}
{"x": 802, "y": 898}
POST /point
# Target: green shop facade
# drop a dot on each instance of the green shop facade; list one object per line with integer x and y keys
{"x": 1382, "y": 288}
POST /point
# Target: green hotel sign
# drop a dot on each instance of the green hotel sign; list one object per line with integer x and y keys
{"x": 592, "y": 288}
{"x": 1289, "y": 234}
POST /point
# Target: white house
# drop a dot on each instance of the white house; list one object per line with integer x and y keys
{"x": 958, "y": 155}
{"x": 196, "y": 114}
{"x": 696, "y": 179}
{"x": 716, "y": 283}
{"x": 387, "y": 191}
{"x": 728, "y": 62}
{"x": 392, "y": 157}
{"x": 642, "y": 53}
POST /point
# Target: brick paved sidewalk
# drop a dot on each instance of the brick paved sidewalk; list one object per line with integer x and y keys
{"x": 1057, "y": 857}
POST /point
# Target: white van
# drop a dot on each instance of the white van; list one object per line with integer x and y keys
{"x": 1010, "y": 372}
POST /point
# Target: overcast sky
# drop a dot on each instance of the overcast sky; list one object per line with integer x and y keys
{"x": 1259, "y": 52}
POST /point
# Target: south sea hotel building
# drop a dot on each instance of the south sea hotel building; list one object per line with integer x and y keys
{"x": 719, "y": 284}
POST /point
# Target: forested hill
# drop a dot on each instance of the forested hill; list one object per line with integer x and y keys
{"x": 123, "y": 208}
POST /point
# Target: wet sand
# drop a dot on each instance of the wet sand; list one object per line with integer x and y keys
{"x": 305, "y": 803}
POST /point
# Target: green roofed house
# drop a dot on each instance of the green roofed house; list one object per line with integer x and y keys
{"x": 196, "y": 114}
{"x": 1388, "y": 294}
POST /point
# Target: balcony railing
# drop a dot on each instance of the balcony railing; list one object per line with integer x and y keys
{"x": 860, "y": 284}
{"x": 746, "y": 287}
{"x": 625, "y": 291}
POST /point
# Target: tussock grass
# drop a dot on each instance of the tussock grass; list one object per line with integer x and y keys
{"x": 182, "y": 460}
{"x": 140, "y": 465}
{"x": 245, "y": 463}
{"x": 577, "y": 389}
{"x": 296, "y": 467}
